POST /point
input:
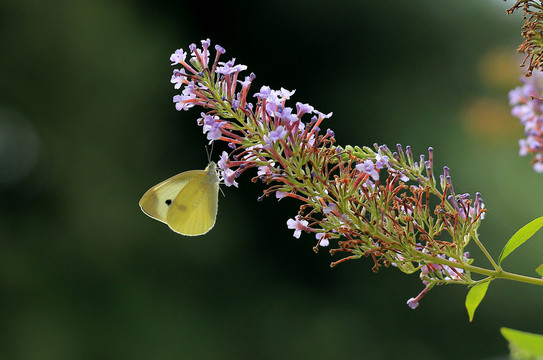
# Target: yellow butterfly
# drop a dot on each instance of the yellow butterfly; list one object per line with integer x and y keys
{"x": 186, "y": 202}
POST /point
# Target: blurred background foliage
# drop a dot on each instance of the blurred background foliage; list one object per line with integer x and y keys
{"x": 87, "y": 125}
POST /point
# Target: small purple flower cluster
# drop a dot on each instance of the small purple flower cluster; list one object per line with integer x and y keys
{"x": 354, "y": 198}
{"x": 527, "y": 105}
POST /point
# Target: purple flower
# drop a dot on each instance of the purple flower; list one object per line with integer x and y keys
{"x": 464, "y": 207}
{"x": 285, "y": 115}
{"x": 368, "y": 167}
{"x": 323, "y": 240}
{"x": 245, "y": 83}
{"x": 311, "y": 140}
{"x": 279, "y": 195}
{"x": 453, "y": 272}
{"x": 265, "y": 170}
{"x": 182, "y": 102}
{"x": 185, "y": 100}
{"x": 207, "y": 121}
{"x": 286, "y": 94}
{"x": 178, "y": 78}
{"x": 229, "y": 67}
{"x": 302, "y": 109}
{"x": 229, "y": 176}
{"x": 297, "y": 225}
{"x": 517, "y": 96}
{"x": 381, "y": 160}
{"x": 205, "y": 53}
{"x": 528, "y": 107}
{"x": 213, "y": 127}
{"x": 219, "y": 49}
{"x": 412, "y": 303}
{"x": 223, "y": 162}
{"x": 178, "y": 56}
{"x": 274, "y": 103}
{"x": 275, "y": 135}
{"x": 264, "y": 92}
{"x": 323, "y": 115}
{"x": 274, "y": 99}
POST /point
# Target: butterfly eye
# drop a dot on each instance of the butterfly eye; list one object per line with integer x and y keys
{"x": 168, "y": 202}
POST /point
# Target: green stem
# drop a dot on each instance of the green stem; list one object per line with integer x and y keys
{"x": 521, "y": 278}
{"x": 493, "y": 274}
{"x": 482, "y": 247}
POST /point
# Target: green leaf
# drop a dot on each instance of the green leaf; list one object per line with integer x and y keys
{"x": 528, "y": 345}
{"x": 520, "y": 237}
{"x": 539, "y": 270}
{"x": 474, "y": 298}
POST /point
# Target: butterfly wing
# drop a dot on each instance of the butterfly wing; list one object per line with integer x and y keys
{"x": 194, "y": 210}
{"x": 157, "y": 200}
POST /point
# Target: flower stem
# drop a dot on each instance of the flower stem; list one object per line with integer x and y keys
{"x": 493, "y": 274}
{"x": 485, "y": 251}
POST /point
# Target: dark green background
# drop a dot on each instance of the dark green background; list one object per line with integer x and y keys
{"x": 87, "y": 115}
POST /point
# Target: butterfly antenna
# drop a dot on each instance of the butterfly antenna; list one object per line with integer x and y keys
{"x": 209, "y": 152}
{"x": 221, "y": 183}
